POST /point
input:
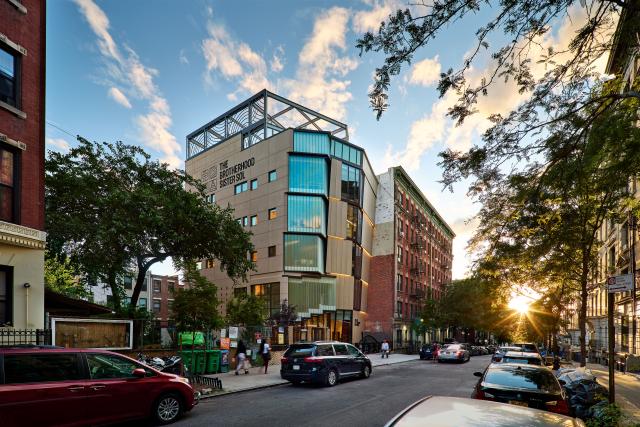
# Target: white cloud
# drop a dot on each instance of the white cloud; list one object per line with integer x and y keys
{"x": 277, "y": 61}
{"x": 57, "y": 144}
{"x": 369, "y": 20}
{"x": 425, "y": 72}
{"x": 322, "y": 66}
{"x": 117, "y": 95}
{"x": 129, "y": 71}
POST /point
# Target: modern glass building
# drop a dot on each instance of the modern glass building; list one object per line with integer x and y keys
{"x": 308, "y": 196}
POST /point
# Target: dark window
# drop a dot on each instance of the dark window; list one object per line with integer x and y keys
{"x": 157, "y": 285}
{"x": 270, "y": 294}
{"x": 399, "y": 308}
{"x": 34, "y": 368}
{"x": 354, "y": 218}
{"x": 240, "y": 188}
{"x": 341, "y": 349}
{"x": 356, "y": 261}
{"x": 172, "y": 287}
{"x": 128, "y": 282}
{"x": 254, "y": 184}
{"x": 357, "y": 294}
{"x": 353, "y": 351}
{"x": 6, "y": 295}
{"x": 523, "y": 378}
{"x": 272, "y": 251}
{"x": 237, "y": 292}
{"x": 8, "y": 178}
{"x": 156, "y": 306}
{"x": 273, "y": 175}
{"x": 350, "y": 183}
{"x": 144, "y": 286}
{"x": 8, "y": 76}
{"x": 324, "y": 350}
{"x": 106, "y": 366}
{"x": 142, "y": 302}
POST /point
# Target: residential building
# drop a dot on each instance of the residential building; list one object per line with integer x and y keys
{"x": 101, "y": 292}
{"x": 22, "y": 149}
{"x": 308, "y": 197}
{"x": 412, "y": 259}
{"x": 163, "y": 289}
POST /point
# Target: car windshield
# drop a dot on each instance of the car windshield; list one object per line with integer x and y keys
{"x": 505, "y": 349}
{"x": 300, "y": 350}
{"x": 523, "y": 360}
{"x": 522, "y": 378}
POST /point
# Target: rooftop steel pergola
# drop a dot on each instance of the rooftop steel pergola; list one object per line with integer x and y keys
{"x": 258, "y": 118}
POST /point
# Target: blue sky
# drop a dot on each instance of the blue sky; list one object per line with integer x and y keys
{"x": 150, "y": 72}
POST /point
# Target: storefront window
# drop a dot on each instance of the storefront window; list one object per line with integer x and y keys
{"x": 306, "y": 214}
{"x": 308, "y": 174}
{"x": 303, "y": 253}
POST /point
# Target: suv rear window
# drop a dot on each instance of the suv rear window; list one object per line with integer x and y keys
{"x": 44, "y": 367}
{"x": 522, "y": 378}
{"x": 523, "y": 360}
{"x": 300, "y": 350}
{"x": 454, "y": 347}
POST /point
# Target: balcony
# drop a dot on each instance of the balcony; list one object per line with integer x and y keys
{"x": 417, "y": 294}
{"x": 418, "y": 245}
{"x": 418, "y": 271}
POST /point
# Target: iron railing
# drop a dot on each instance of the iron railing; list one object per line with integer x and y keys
{"x": 12, "y": 337}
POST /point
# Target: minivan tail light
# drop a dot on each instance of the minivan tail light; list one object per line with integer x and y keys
{"x": 312, "y": 359}
{"x": 284, "y": 360}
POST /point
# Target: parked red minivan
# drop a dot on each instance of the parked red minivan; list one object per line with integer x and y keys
{"x": 81, "y": 387}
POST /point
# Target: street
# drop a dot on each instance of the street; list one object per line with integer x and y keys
{"x": 356, "y": 402}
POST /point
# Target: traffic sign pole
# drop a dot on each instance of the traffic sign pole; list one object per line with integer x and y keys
{"x": 611, "y": 296}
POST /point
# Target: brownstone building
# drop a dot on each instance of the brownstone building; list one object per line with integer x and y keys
{"x": 412, "y": 258}
{"x": 161, "y": 292}
{"x": 22, "y": 104}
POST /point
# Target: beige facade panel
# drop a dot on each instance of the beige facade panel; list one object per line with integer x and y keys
{"x": 337, "y": 218}
{"x": 339, "y": 253}
{"x": 344, "y": 293}
{"x": 367, "y": 235}
{"x": 335, "y": 180}
{"x": 366, "y": 262}
{"x": 369, "y": 199}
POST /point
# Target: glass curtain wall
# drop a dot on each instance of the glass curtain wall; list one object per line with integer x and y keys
{"x": 308, "y": 142}
{"x": 306, "y": 214}
{"x": 303, "y": 252}
{"x": 308, "y": 174}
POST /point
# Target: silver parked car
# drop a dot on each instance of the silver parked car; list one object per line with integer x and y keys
{"x": 455, "y": 353}
{"x": 523, "y": 357}
{"x": 444, "y": 411}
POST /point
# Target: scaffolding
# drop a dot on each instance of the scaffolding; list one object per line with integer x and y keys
{"x": 260, "y": 117}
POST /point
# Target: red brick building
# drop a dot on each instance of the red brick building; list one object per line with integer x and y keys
{"x": 161, "y": 292}
{"x": 412, "y": 258}
{"x": 22, "y": 104}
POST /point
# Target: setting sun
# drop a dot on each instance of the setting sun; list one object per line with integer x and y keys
{"x": 520, "y": 303}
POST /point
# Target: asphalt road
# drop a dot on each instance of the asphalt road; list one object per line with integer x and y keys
{"x": 357, "y": 402}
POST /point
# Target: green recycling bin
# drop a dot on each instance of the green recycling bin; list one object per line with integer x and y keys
{"x": 213, "y": 361}
{"x": 194, "y": 360}
{"x": 187, "y": 359}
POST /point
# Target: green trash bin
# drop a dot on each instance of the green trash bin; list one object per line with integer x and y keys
{"x": 200, "y": 361}
{"x": 213, "y": 361}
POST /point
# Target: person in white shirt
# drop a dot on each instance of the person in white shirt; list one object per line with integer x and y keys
{"x": 385, "y": 349}
{"x": 266, "y": 354}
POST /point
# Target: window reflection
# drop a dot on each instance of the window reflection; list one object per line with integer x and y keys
{"x": 306, "y": 214}
{"x": 308, "y": 174}
{"x": 303, "y": 253}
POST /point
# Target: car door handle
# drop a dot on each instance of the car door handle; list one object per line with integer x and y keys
{"x": 97, "y": 387}
{"x": 75, "y": 388}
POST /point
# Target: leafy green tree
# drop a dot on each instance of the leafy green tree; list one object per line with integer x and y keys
{"x": 60, "y": 276}
{"x": 196, "y": 308}
{"x": 246, "y": 310}
{"x": 111, "y": 209}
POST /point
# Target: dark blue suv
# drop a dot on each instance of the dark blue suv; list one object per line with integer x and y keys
{"x": 323, "y": 362}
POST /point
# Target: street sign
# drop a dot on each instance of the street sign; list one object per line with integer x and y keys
{"x": 622, "y": 283}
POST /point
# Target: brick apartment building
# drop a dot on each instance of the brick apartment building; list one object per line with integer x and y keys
{"x": 22, "y": 104}
{"x": 412, "y": 259}
{"x": 162, "y": 291}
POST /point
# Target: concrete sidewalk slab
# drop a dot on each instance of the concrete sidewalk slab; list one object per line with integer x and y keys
{"x": 257, "y": 379}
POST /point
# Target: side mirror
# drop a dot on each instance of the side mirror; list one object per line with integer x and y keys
{"x": 477, "y": 374}
{"x": 139, "y": 373}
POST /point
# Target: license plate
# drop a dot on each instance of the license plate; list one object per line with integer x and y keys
{"x": 519, "y": 403}
{"x": 296, "y": 367}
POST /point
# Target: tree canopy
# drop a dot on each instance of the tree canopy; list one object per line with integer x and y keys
{"x": 196, "y": 307}
{"x": 246, "y": 310}
{"x": 111, "y": 210}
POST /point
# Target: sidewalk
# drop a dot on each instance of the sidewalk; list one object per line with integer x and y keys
{"x": 256, "y": 379}
{"x": 627, "y": 389}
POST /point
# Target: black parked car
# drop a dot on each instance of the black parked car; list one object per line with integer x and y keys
{"x": 323, "y": 362}
{"x": 429, "y": 351}
{"x": 522, "y": 385}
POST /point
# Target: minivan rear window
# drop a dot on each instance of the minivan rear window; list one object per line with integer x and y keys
{"x": 35, "y": 368}
{"x": 300, "y": 350}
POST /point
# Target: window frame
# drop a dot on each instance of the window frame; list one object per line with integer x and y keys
{"x": 272, "y": 175}
{"x": 272, "y": 251}
{"x": 16, "y": 188}
{"x": 17, "y": 76}
{"x": 251, "y": 184}
{"x": 270, "y": 211}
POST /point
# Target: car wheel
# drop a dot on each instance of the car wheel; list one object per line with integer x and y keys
{"x": 366, "y": 372}
{"x": 332, "y": 378}
{"x": 168, "y": 408}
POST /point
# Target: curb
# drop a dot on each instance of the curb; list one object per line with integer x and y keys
{"x": 281, "y": 382}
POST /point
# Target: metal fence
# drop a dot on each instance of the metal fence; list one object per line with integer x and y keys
{"x": 13, "y": 337}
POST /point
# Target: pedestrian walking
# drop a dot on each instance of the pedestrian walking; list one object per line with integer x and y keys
{"x": 266, "y": 353}
{"x": 241, "y": 357}
{"x": 385, "y": 349}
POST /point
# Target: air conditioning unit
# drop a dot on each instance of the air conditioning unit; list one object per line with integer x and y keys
{"x": 402, "y": 234}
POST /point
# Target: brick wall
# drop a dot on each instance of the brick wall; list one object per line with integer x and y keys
{"x": 381, "y": 291}
{"x": 28, "y": 30}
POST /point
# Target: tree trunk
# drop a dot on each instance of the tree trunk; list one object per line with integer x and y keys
{"x": 582, "y": 316}
{"x": 142, "y": 272}
{"x": 115, "y": 292}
